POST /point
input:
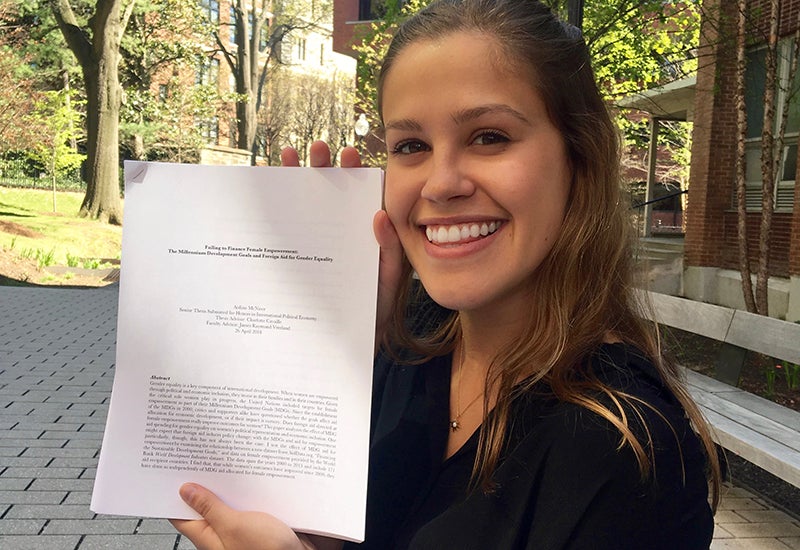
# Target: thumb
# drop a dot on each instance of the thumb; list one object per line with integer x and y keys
{"x": 204, "y": 502}
{"x": 390, "y": 270}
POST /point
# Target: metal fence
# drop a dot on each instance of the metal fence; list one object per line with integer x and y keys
{"x": 17, "y": 170}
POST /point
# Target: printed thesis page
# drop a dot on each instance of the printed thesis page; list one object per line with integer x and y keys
{"x": 244, "y": 343}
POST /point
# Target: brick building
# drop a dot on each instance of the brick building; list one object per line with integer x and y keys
{"x": 711, "y": 245}
{"x": 348, "y": 17}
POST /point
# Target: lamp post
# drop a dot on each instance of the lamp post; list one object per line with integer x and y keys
{"x": 361, "y": 128}
{"x": 575, "y": 13}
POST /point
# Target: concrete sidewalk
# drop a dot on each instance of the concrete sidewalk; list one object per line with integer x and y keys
{"x": 56, "y": 370}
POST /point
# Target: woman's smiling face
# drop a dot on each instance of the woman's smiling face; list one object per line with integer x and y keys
{"x": 477, "y": 177}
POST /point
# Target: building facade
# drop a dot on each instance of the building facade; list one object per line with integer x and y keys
{"x": 711, "y": 245}
{"x": 306, "y": 50}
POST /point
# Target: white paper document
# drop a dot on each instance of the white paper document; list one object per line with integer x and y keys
{"x": 245, "y": 341}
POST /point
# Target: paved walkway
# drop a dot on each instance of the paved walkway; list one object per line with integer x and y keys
{"x": 56, "y": 369}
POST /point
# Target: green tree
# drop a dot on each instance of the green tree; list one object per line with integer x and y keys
{"x": 16, "y": 82}
{"x": 41, "y": 44}
{"x": 321, "y": 108}
{"x": 301, "y": 108}
{"x": 55, "y": 114}
{"x": 163, "y": 41}
{"x": 636, "y": 45}
{"x": 339, "y": 123}
{"x": 38, "y": 45}
{"x": 182, "y": 121}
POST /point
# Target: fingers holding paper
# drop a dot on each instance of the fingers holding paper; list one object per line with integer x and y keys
{"x": 223, "y": 528}
{"x": 390, "y": 270}
{"x": 320, "y": 156}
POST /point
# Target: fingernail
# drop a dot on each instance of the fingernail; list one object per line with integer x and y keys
{"x": 187, "y": 491}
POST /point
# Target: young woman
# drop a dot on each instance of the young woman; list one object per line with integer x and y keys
{"x": 520, "y": 400}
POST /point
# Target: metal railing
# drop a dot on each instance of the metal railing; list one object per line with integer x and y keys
{"x": 653, "y": 201}
{"x": 19, "y": 171}
{"x": 657, "y": 216}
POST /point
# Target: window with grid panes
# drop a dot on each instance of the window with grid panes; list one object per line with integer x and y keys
{"x": 787, "y": 98}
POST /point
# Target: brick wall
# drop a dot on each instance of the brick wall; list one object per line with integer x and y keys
{"x": 711, "y": 234}
{"x": 779, "y": 247}
{"x": 713, "y": 144}
{"x": 794, "y": 247}
{"x": 344, "y": 13}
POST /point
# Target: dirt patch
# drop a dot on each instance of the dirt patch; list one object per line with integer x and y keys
{"x": 16, "y": 270}
{"x": 17, "y": 229}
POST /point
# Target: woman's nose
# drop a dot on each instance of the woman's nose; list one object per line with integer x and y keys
{"x": 446, "y": 179}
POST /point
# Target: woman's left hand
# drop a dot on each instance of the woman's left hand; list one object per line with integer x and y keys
{"x": 223, "y": 528}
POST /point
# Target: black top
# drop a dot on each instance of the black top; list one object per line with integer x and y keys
{"x": 563, "y": 481}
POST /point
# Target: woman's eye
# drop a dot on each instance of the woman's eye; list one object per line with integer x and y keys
{"x": 490, "y": 138}
{"x": 409, "y": 147}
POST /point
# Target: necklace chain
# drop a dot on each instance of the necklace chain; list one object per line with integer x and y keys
{"x": 455, "y": 423}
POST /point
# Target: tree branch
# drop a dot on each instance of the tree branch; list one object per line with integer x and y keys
{"x": 126, "y": 16}
{"x": 77, "y": 39}
{"x": 225, "y": 53}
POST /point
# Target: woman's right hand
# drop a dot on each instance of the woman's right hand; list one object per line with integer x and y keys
{"x": 391, "y": 256}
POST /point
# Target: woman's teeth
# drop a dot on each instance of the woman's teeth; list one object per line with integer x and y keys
{"x": 442, "y": 234}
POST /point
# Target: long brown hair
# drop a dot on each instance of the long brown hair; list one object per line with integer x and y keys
{"x": 583, "y": 290}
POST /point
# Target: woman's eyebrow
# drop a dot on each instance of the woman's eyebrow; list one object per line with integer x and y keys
{"x": 492, "y": 108}
{"x": 465, "y": 115}
{"x": 405, "y": 124}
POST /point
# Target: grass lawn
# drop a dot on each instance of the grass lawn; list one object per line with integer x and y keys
{"x": 30, "y": 230}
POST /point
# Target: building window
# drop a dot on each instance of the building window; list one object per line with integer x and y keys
{"x": 211, "y": 9}
{"x": 207, "y": 71}
{"x": 163, "y": 92}
{"x": 370, "y": 10}
{"x": 322, "y": 54}
{"x": 284, "y": 51}
{"x": 754, "y": 102}
{"x": 300, "y": 49}
{"x": 209, "y": 129}
{"x": 233, "y": 25}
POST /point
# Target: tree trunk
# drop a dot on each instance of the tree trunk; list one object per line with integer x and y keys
{"x": 246, "y": 66}
{"x": 99, "y": 60}
{"x": 768, "y": 153}
{"x": 741, "y": 124}
{"x": 246, "y": 59}
{"x": 137, "y": 147}
{"x": 73, "y": 143}
{"x": 102, "y": 198}
{"x": 246, "y": 125}
{"x": 53, "y": 176}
